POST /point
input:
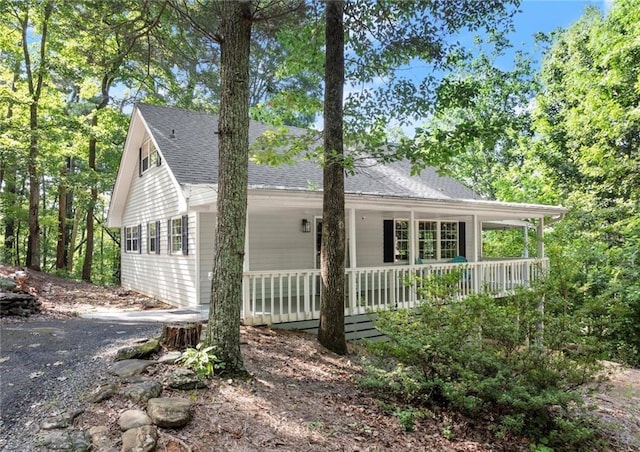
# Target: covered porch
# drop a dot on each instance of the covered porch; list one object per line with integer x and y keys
{"x": 271, "y": 297}
{"x": 389, "y": 241}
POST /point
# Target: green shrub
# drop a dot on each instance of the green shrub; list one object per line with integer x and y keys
{"x": 500, "y": 359}
{"x": 202, "y": 360}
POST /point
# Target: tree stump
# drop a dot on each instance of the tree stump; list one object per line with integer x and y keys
{"x": 181, "y": 336}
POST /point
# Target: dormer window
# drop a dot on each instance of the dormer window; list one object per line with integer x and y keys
{"x": 149, "y": 157}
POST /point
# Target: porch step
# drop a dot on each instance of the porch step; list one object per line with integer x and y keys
{"x": 357, "y": 327}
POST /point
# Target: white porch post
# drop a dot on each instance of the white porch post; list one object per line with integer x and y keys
{"x": 540, "y": 237}
{"x": 475, "y": 253}
{"x": 412, "y": 238}
{"x": 245, "y": 263}
{"x": 480, "y": 240}
{"x": 352, "y": 238}
{"x": 525, "y": 254}
{"x": 477, "y": 250}
{"x": 413, "y": 296}
{"x": 246, "y": 283}
{"x": 353, "y": 263}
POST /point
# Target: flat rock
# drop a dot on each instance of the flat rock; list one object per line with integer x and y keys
{"x": 100, "y": 439}
{"x": 54, "y": 422}
{"x": 169, "y": 412}
{"x": 140, "y": 439}
{"x": 139, "y": 351}
{"x": 133, "y": 419}
{"x": 65, "y": 440}
{"x": 7, "y": 283}
{"x": 182, "y": 378}
{"x": 129, "y": 367}
{"x": 143, "y": 391}
{"x": 102, "y": 392}
{"x": 63, "y": 420}
{"x": 169, "y": 357}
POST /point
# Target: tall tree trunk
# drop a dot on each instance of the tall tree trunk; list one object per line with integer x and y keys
{"x": 10, "y": 192}
{"x": 331, "y": 332}
{"x": 34, "y": 82}
{"x": 72, "y": 240}
{"x": 62, "y": 224}
{"x": 233, "y": 129}
{"x": 88, "y": 255}
{"x": 61, "y": 244}
{"x": 33, "y": 244}
{"x": 10, "y": 238}
{"x": 107, "y": 79}
{"x": 44, "y": 240}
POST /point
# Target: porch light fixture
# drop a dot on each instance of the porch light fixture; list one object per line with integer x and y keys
{"x": 305, "y": 226}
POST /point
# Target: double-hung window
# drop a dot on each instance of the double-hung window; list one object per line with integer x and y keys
{"x": 149, "y": 156}
{"x": 132, "y": 239}
{"x": 438, "y": 240}
{"x": 179, "y": 235}
{"x": 427, "y": 240}
{"x": 153, "y": 237}
{"x": 435, "y": 240}
{"x": 401, "y": 245}
{"x": 449, "y": 239}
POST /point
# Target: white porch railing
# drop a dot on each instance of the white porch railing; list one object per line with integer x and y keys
{"x": 280, "y": 296}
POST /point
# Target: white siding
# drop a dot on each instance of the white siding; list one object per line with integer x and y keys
{"x": 207, "y": 232}
{"x": 170, "y": 278}
{"x": 370, "y": 239}
{"x": 276, "y": 241}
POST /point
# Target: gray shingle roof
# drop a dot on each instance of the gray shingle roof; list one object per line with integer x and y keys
{"x": 188, "y": 143}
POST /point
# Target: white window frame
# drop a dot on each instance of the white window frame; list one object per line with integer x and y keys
{"x": 449, "y": 237}
{"x": 152, "y": 237}
{"x": 422, "y": 240}
{"x": 148, "y": 156}
{"x": 175, "y": 234}
{"x": 444, "y": 236}
{"x": 132, "y": 239}
{"x": 399, "y": 241}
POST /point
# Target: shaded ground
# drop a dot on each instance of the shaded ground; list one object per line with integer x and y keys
{"x": 70, "y": 298}
{"x": 45, "y": 363}
{"x": 300, "y": 398}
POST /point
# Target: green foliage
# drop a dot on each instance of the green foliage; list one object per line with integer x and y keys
{"x": 596, "y": 277}
{"x": 501, "y": 359}
{"x": 575, "y": 145}
{"x": 407, "y": 417}
{"x": 202, "y": 360}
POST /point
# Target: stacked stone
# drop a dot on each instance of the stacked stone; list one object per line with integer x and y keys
{"x": 149, "y": 412}
{"x": 13, "y": 301}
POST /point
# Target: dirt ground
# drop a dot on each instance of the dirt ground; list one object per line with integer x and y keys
{"x": 303, "y": 398}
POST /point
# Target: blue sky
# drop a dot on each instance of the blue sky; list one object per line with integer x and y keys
{"x": 535, "y": 16}
{"x": 548, "y": 15}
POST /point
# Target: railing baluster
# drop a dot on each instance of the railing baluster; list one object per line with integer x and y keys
{"x": 375, "y": 288}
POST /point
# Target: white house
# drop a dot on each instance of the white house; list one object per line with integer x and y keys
{"x": 164, "y": 200}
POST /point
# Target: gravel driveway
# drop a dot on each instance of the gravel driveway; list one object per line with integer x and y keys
{"x": 46, "y": 366}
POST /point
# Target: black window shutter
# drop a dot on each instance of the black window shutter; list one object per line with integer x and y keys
{"x": 139, "y": 238}
{"x": 185, "y": 234}
{"x": 169, "y": 248}
{"x": 389, "y": 253}
{"x": 157, "y": 237}
{"x": 462, "y": 239}
{"x": 139, "y": 162}
{"x": 158, "y": 158}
